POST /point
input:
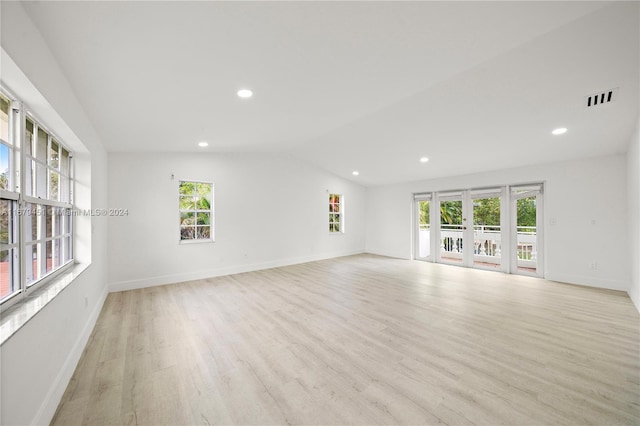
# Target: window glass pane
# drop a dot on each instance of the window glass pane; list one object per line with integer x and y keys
{"x": 4, "y": 118}
{"x": 202, "y": 203}
{"x": 54, "y": 179}
{"x": 57, "y": 223}
{"x": 64, "y": 162}
{"x": 6, "y": 221}
{"x": 41, "y": 153}
{"x": 204, "y": 189}
{"x": 29, "y": 177}
{"x": 54, "y": 159}
{"x": 41, "y": 181}
{"x": 49, "y": 257}
{"x": 64, "y": 189}
{"x": 31, "y": 253}
{"x": 203, "y": 232}
{"x": 67, "y": 249}
{"x": 67, "y": 221}
{"x": 28, "y": 137}
{"x": 187, "y": 232}
{"x": 187, "y": 203}
{"x": 187, "y": 219}
{"x": 203, "y": 218}
{"x": 187, "y": 188}
{"x": 6, "y": 273}
{"x": 30, "y": 222}
{"x": 57, "y": 252}
{"x": 48, "y": 221}
{"x": 4, "y": 166}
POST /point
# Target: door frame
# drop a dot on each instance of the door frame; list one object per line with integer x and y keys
{"x": 417, "y": 198}
{"x": 508, "y": 220}
{"x": 539, "y": 194}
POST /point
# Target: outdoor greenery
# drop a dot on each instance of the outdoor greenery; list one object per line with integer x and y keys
{"x": 4, "y": 227}
{"x": 486, "y": 211}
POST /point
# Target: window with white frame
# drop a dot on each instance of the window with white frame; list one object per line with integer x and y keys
{"x": 37, "y": 202}
{"x": 336, "y": 213}
{"x": 196, "y": 211}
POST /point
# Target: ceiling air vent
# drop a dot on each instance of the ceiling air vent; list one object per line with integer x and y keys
{"x": 601, "y": 98}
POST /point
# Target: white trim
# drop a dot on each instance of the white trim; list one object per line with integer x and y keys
{"x": 386, "y": 253}
{"x": 586, "y": 281}
{"x": 197, "y": 241}
{"x": 48, "y": 408}
{"x": 210, "y": 273}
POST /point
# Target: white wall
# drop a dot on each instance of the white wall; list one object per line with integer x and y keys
{"x": 38, "y": 361}
{"x": 576, "y": 193}
{"x": 633, "y": 179}
{"x": 270, "y": 210}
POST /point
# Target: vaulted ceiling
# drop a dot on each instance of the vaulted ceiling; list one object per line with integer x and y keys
{"x": 367, "y": 86}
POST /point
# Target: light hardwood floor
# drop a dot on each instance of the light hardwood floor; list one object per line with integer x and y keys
{"x": 360, "y": 340}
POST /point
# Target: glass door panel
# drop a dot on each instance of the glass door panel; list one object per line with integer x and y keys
{"x": 526, "y": 230}
{"x": 451, "y": 230}
{"x": 527, "y": 249}
{"x": 423, "y": 215}
{"x": 487, "y": 232}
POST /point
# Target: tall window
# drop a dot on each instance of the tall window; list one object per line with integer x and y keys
{"x": 196, "y": 211}
{"x": 336, "y": 213}
{"x": 9, "y": 266}
{"x": 38, "y": 202}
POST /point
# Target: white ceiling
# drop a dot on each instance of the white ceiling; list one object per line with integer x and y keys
{"x": 371, "y": 86}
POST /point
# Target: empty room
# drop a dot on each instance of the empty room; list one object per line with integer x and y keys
{"x": 319, "y": 213}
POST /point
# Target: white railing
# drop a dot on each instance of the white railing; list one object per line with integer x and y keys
{"x": 487, "y": 244}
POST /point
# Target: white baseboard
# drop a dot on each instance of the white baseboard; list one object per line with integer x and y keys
{"x": 229, "y": 270}
{"x": 386, "y": 253}
{"x": 54, "y": 395}
{"x": 589, "y": 281}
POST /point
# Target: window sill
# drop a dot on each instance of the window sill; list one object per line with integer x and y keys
{"x": 197, "y": 241}
{"x": 21, "y": 312}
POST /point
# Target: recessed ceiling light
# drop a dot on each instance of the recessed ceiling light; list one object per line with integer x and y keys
{"x": 559, "y": 131}
{"x": 424, "y": 159}
{"x": 245, "y": 93}
{"x": 355, "y": 173}
{"x": 203, "y": 144}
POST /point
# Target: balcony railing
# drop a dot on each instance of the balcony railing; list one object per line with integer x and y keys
{"x": 487, "y": 244}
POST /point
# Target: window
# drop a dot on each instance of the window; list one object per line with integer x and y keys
{"x": 336, "y": 213}
{"x": 37, "y": 201}
{"x": 196, "y": 211}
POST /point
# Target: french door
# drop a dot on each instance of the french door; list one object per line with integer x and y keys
{"x": 491, "y": 228}
{"x": 423, "y": 213}
{"x": 526, "y": 230}
{"x": 452, "y": 232}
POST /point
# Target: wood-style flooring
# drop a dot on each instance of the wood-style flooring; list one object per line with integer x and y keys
{"x": 360, "y": 340}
